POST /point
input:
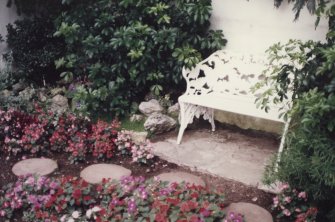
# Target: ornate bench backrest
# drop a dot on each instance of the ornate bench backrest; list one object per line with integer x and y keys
{"x": 225, "y": 73}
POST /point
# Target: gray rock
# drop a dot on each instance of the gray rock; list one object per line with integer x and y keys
{"x": 17, "y": 87}
{"x": 159, "y": 123}
{"x": 150, "y": 107}
{"x": 174, "y": 110}
{"x": 27, "y": 94}
{"x": 42, "y": 96}
{"x": 40, "y": 166}
{"x": 138, "y": 137}
{"x": 95, "y": 173}
{"x": 179, "y": 177}
{"x": 251, "y": 212}
{"x": 136, "y": 118}
{"x": 59, "y": 104}
{"x": 57, "y": 91}
{"x": 5, "y": 93}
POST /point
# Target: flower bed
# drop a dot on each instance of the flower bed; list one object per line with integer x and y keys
{"x": 44, "y": 131}
{"x": 131, "y": 199}
{"x": 294, "y": 205}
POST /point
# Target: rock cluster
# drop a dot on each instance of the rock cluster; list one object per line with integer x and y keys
{"x": 156, "y": 121}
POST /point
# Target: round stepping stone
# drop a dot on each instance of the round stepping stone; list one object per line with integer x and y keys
{"x": 179, "y": 177}
{"x": 39, "y": 166}
{"x": 251, "y": 212}
{"x": 95, "y": 173}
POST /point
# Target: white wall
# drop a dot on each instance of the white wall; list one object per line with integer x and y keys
{"x": 252, "y": 26}
{"x": 7, "y": 15}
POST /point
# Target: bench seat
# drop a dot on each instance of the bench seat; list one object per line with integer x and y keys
{"x": 232, "y": 103}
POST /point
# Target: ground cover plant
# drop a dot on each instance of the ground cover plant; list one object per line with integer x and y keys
{"x": 132, "y": 199}
{"x": 112, "y": 47}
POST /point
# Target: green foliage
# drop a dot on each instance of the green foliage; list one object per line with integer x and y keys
{"x": 118, "y": 51}
{"x": 34, "y": 49}
{"x": 40, "y": 8}
{"x": 303, "y": 73}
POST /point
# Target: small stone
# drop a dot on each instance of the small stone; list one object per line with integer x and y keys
{"x": 17, "y": 87}
{"x": 27, "y": 94}
{"x": 150, "y": 107}
{"x": 39, "y": 166}
{"x": 138, "y": 137}
{"x": 136, "y": 118}
{"x": 179, "y": 177}
{"x": 57, "y": 91}
{"x": 174, "y": 110}
{"x": 254, "y": 199}
{"x": 159, "y": 123}
{"x": 251, "y": 212}
{"x": 5, "y": 93}
{"x": 59, "y": 104}
{"x": 95, "y": 173}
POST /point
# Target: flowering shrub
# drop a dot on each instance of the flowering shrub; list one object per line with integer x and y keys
{"x": 140, "y": 153}
{"x": 104, "y": 136}
{"x": 42, "y": 131}
{"x": 31, "y": 192}
{"x": 293, "y": 204}
{"x": 131, "y": 199}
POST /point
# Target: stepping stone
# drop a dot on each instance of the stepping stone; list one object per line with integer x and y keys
{"x": 179, "y": 177}
{"x": 251, "y": 212}
{"x": 95, "y": 173}
{"x": 39, "y": 166}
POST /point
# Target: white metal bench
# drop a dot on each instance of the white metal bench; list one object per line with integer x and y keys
{"x": 222, "y": 82}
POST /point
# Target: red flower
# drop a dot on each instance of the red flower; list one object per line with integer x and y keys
{"x": 172, "y": 201}
{"x": 76, "y": 194}
{"x": 194, "y": 218}
{"x": 184, "y": 207}
{"x": 160, "y": 218}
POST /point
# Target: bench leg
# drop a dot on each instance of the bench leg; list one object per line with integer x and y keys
{"x": 182, "y": 121}
{"x": 282, "y": 143}
{"x": 211, "y": 120}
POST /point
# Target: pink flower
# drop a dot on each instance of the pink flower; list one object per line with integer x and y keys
{"x": 302, "y": 195}
{"x": 288, "y": 199}
{"x": 275, "y": 201}
{"x": 2, "y": 213}
{"x": 284, "y": 186}
{"x": 286, "y": 212}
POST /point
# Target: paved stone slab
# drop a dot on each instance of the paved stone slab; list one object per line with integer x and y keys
{"x": 180, "y": 177}
{"x": 223, "y": 153}
{"x": 96, "y": 172}
{"x": 251, "y": 212}
{"x": 39, "y": 166}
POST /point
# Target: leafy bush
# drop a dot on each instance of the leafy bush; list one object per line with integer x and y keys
{"x": 113, "y": 47}
{"x": 34, "y": 49}
{"x": 131, "y": 199}
{"x": 303, "y": 74}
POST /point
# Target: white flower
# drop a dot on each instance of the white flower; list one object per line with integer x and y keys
{"x": 89, "y": 213}
{"x": 75, "y": 214}
{"x": 70, "y": 220}
{"x": 96, "y": 209}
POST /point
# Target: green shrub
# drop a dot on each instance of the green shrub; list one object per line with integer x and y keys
{"x": 34, "y": 49}
{"x": 305, "y": 73}
{"x": 118, "y": 50}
